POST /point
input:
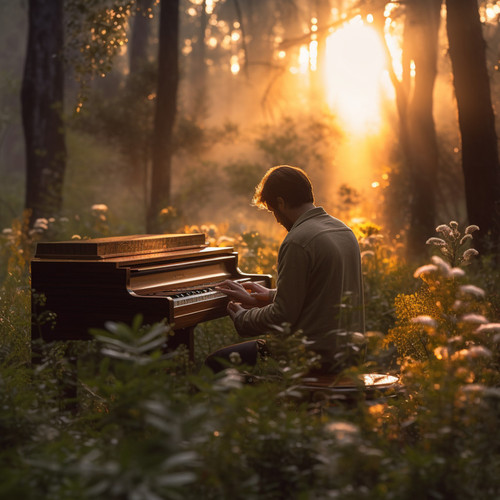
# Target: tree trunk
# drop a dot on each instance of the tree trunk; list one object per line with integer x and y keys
{"x": 476, "y": 119}
{"x": 139, "y": 40}
{"x": 421, "y": 36}
{"x": 42, "y": 109}
{"x": 166, "y": 108}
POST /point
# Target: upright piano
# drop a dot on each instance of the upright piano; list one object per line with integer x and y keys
{"x": 171, "y": 277}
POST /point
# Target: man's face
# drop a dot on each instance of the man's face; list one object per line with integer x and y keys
{"x": 282, "y": 218}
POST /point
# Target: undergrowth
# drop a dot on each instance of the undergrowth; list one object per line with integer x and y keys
{"x": 135, "y": 420}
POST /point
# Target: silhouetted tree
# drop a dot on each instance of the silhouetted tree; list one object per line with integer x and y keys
{"x": 166, "y": 109}
{"x": 421, "y": 46}
{"x": 42, "y": 98}
{"x": 139, "y": 39}
{"x": 476, "y": 119}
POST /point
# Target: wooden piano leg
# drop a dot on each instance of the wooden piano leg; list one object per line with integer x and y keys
{"x": 183, "y": 336}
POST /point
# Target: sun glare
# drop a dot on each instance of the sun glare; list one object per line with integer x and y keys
{"x": 354, "y": 75}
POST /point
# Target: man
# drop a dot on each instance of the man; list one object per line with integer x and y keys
{"x": 319, "y": 282}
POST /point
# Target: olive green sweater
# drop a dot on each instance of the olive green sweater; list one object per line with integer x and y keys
{"x": 319, "y": 268}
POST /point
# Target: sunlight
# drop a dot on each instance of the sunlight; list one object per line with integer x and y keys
{"x": 354, "y": 75}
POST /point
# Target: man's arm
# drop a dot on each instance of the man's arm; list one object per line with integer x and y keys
{"x": 292, "y": 285}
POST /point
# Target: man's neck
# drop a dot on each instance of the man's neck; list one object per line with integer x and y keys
{"x": 295, "y": 212}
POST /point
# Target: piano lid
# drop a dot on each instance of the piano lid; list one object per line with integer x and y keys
{"x": 118, "y": 246}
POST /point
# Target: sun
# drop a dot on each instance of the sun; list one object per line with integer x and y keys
{"x": 355, "y": 76}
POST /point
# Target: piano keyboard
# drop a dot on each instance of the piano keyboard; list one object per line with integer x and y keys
{"x": 186, "y": 296}
{"x": 193, "y": 296}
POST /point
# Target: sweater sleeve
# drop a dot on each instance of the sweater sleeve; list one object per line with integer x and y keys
{"x": 291, "y": 289}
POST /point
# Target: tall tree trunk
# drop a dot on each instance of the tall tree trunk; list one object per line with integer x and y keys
{"x": 166, "y": 109}
{"x": 421, "y": 37}
{"x": 42, "y": 97}
{"x": 476, "y": 119}
{"x": 139, "y": 40}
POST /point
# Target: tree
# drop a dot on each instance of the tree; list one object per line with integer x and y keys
{"x": 166, "y": 110}
{"x": 139, "y": 40}
{"x": 42, "y": 98}
{"x": 421, "y": 47}
{"x": 476, "y": 119}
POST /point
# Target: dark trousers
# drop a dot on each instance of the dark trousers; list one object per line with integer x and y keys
{"x": 248, "y": 351}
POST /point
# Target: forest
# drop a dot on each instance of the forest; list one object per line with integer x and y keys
{"x": 160, "y": 117}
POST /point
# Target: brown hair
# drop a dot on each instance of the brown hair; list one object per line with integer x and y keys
{"x": 290, "y": 183}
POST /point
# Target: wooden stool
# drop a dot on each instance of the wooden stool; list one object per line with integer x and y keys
{"x": 373, "y": 386}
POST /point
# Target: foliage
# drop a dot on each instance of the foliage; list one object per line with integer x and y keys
{"x": 150, "y": 423}
{"x": 443, "y": 309}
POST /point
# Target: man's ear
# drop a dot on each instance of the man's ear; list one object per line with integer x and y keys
{"x": 280, "y": 203}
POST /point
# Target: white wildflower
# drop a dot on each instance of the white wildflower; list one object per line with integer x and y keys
{"x": 472, "y": 290}
{"x": 470, "y": 229}
{"x": 7, "y": 231}
{"x": 473, "y": 388}
{"x": 453, "y": 224}
{"x": 99, "y": 207}
{"x": 488, "y": 328}
{"x": 456, "y": 272}
{"x": 469, "y": 253}
{"x": 479, "y": 351}
{"x": 345, "y": 432}
{"x": 443, "y": 266}
{"x": 443, "y": 228}
{"x": 425, "y": 321}
{"x": 41, "y": 224}
{"x": 427, "y": 269}
{"x": 465, "y": 238}
{"x": 474, "y": 318}
{"x": 436, "y": 241}
{"x": 235, "y": 358}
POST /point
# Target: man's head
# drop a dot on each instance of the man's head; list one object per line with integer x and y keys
{"x": 286, "y": 192}
{"x": 291, "y": 184}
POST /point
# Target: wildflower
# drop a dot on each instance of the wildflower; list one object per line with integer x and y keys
{"x": 76, "y": 237}
{"x": 427, "y": 269}
{"x": 443, "y": 266}
{"x": 41, "y": 224}
{"x": 7, "y": 231}
{"x": 474, "y": 352}
{"x": 235, "y": 358}
{"x": 456, "y": 272}
{"x": 344, "y": 432}
{"x": 425, "y": 321}
{"x": 454, "y": 224}
{"x": 474, "y": 318}
{"x": 99, "y": 207}
{"x": 436, "y": 241}
{"x": 465, "y": 238}
{"x": 470, "y": 229}
{"x": 469, "y": 253}
{"x": 472, "y": 290}
{"x": 488, "y": 328}
{"x": 441, "y": 352}
{"x": 443, "y": 228}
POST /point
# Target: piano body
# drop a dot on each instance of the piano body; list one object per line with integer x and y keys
{"x": 88, "y": 282}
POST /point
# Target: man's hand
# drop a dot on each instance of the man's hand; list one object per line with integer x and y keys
{"x": 233, "y": 308}
{"x": 248, "y": 294}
